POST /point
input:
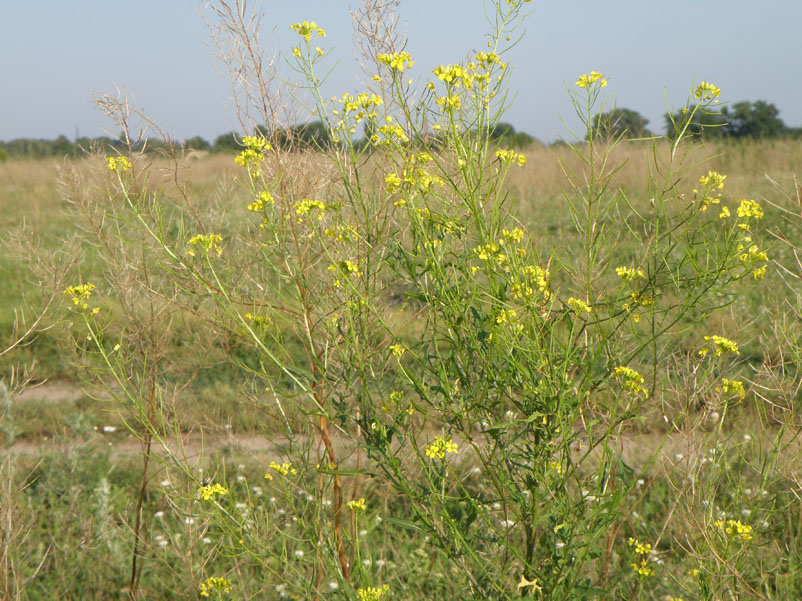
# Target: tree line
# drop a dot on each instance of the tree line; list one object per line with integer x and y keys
{"x": 741, "y": 120}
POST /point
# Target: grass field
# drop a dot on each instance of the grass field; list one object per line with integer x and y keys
{"x": 71, "y": 464}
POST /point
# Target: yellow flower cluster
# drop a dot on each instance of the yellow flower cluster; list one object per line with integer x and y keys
{"x": 636, "y": 299}
{"x": 449, "y": 102}
{"x": 721, "y": 345}
{"x": 631, "y": 380}
{"x": 307, "y": 207}
{"x": 207, "y": 243}
{"x": 254, "y": 153}
{"x": 357, "y": 505}
{"x": 372, "y": 593}
{"x": 707, "y": 91}
{"x": 342, "y": 233}
{"x": 398, "y": 61}
{"x": 586, "y": 81}
{"x": 629, "y": 274}
{"x": 438, "y": 448}
{"x": 207, "y": 493}
{"x": 733, "y": 387}
{"x": 579, "y": 306}
{"x": 748, "y": 209}
{"x": 713, "y": 184}
{"x": 80, "y": 294}
{"x": 264, "y": 199}
{"x": 305, "y": 29}
{"x": 390, "y": 131}
{"x": 642, "y": 551}
{"x": 457, "y": 75}
{"x": 735, "y": 529}
{"x": 397, "y": 350}
{"x": 217, "y": 584}
{"x": 534, "y": 278}
{"x": 281, "y": 469}
{"x": 506, "y": 316}
{"x": 118, "y": 164}
{"x": 509, "y": 156}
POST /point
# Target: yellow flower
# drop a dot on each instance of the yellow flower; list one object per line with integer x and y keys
{"x": 207, "y": 242}
{"x": 722, "y": 345}
{"x": 585, "y": 81}
{"x": 735, "y": 529}
{"x": 632, "y": 380}
{"x": 397, "y": 350}
{"x": 372, "y": 593}
{"x": 628, "y": 274}
{"x": 305, "y": 29}
{"x": 118, "y": 163}
{"x": 438, "y": 448}
{"x": 398, "y": 61}
{"x": 749, "y": 208}
{"x": 707, "y": 91}
{"x": 283, "y": 469}
{"x": 207, "y": 493}
{"x": 735, "y": 387}
{"x": 215, "y": 584}
{"x": 357, "y": 505}
{"x": 579, "y": 305}
{"x": 713, "y": 180}
{"x": 393, "y": 182}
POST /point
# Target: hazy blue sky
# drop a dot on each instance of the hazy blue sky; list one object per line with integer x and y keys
{"x": 54, "y": 55}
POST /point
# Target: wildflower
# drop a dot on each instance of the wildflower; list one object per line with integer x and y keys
{"x": 735, "y": 529}
{"x": 733, "y": 387}
{"x": 628, "y": 274}
{"x": 585, "y": 81}
{"x": 214, "y": 584}
{"x": 749, "y": 208}
{"x": 207, "y": 243}
{"x": 509, "y": 156}
{"x": 643, "y": 551}
{"x": 713, "y": 180}
{"x": 439, "y": 447}
{"x": 308, "y": 207}
{"x": 759, "y": 273}
{"x": 264, "y": 199}
{"x": 397, "y": 350}
{"x": 722, "y": 345}
{"x": 725, "y": 212}
{"x": 393, "y": 182}
{"x": 80, "y": 294}
{"x": 305, "y": 29}
{"x": 579, "y": 305}
{"x": 372, "y": 593}
{"x": 632, "y": 380}
{"x": 207, "y": 493}
{"x": 357, "y": 505}
{"x": 707, "y": 91}
{"x": 283, "y": 469}
{"x": 398, "y": 61}
{"x": 118, "y": 164}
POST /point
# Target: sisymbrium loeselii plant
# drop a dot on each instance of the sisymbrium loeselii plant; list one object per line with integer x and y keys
{"x": 448, "y": 398}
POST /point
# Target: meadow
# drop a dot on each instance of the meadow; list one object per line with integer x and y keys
{"x": 424, "y": 365}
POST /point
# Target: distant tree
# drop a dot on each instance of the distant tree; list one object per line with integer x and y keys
{"x": 3, "y": 155}
{"x": 711, "y": 124}
{"x": 505, "y": 133}
{"x": 759, "y": 119}
{"x": 622, "y": 122}
{"x": 61, "y": 146}
{"x": 197, "y": 143}
{"x": 228, "y": 143}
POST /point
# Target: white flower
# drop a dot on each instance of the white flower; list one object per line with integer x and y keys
{"x": 679, "y": 457}
{"x": 158, "y": 515}
{"x": 240, "y": 478}
{"x": 507, "y": 523}
{"x": 333, "y": 586}
{"x": 189, "y": 521}
{"x": 109, "y": 429}
{"x": 299, "y": 554}
{"x": 366, "y": 563}
{"x": 163, "y": 543}
{"x": 206, "y": 540}
{"x": 380, "y": 563}
{"x": 747, "y": 437}
{"x": 165, "y": 483}
{"x": 640, "y": 482}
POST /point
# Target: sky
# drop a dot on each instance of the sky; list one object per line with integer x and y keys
{"x": 55, "y": 56}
